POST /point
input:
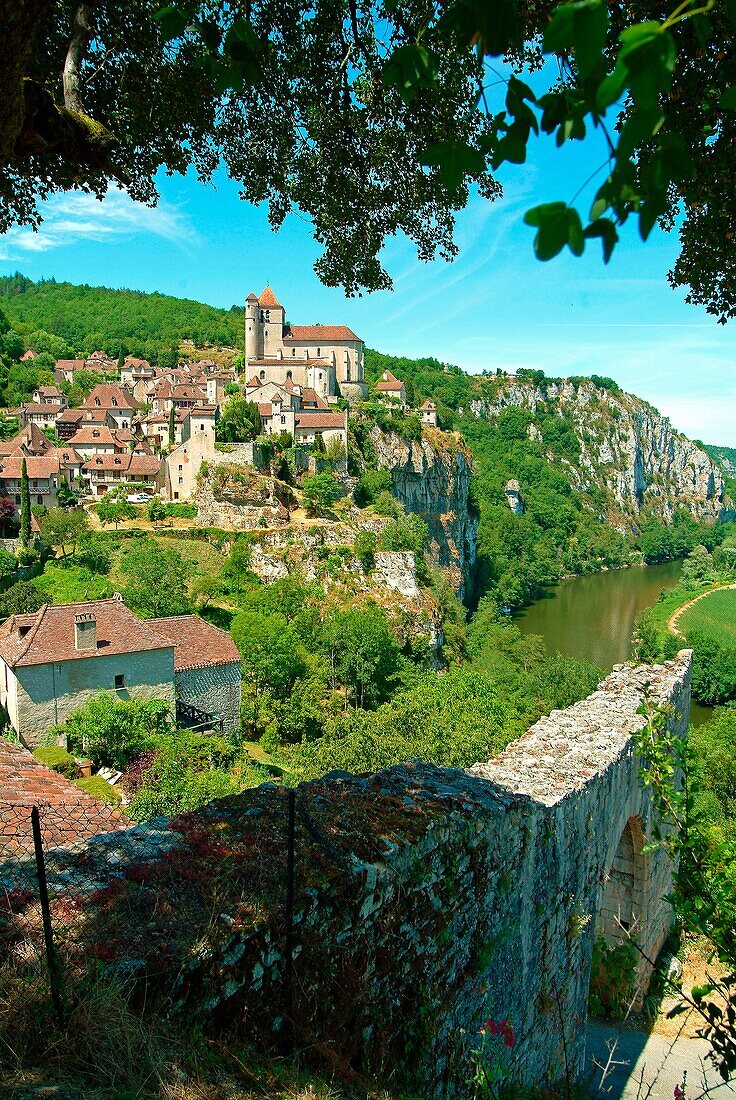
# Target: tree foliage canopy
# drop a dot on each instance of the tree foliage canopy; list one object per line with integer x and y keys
{"x": 378, "y": 118}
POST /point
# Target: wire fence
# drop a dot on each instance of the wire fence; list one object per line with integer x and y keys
{"x": 63, "y": 896}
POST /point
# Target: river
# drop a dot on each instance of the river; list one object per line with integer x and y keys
{"x": 593, "y": 617}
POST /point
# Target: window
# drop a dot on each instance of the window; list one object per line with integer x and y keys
{"x": 319, "y": 352}
{"x": 181, "y": 480}
{"x": 180, "y": 466}
{"x": 119, "y": 681}
{"x": 201, "y": 427}
{"x": 176, "y": 496}
{"x": 39, "y": 499}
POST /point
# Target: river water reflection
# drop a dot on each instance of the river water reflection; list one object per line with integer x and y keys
{"x": 593, "y": 617}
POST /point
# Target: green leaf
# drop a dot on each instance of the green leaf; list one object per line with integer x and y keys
{"x": 648, "y": 214}
{"x": 582, "y": 27}
{"x": 455, "y": 160}
{"x": 611, "y": 88}
{"x": 173, "y": 21}
{"x": 639, "y": 128}
{"x": 409, "y": 68}
{"x": 606, "y": 230}
{"x": 575, "y": 235}
{"x": 554, "y": 229}
{"x": 728, "y": 99}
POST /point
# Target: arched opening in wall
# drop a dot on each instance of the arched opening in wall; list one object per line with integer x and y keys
{"x": 623, "y": 901}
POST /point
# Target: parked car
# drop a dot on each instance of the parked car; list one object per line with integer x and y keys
{"x": 139, "y": 498}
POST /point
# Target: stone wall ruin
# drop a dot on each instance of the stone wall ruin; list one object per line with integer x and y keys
{"x": 427, "y": 900}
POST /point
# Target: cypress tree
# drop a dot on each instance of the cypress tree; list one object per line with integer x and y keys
{"x": 411, "y": 398}
{"x": 25, "y": 506}
{"x": 172, "y": 425}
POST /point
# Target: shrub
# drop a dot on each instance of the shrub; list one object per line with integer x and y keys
{"x": 612, "y": 975}
{"x": 98, "y": 788}
{"x": 58, "y": 759}
{"x": 365, "y": 549}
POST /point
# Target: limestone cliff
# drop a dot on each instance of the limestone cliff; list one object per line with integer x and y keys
{"x": 627, "y": 450}
{"x": 431, "y": 476}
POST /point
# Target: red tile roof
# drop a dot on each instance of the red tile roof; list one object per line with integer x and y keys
{"x": 430, "y": 405}
{"x": 89, "y": 416}
{"x": 49, "y": 634}
{"x": 67, "y": 814}
{"x": 307, "y": 420}
{"x": 38, "y": 467}
{"x": 27, "y": 355}
{"x": 126, "y": 462}
{"x": 268, "y": 300}
{"x": 92, "y": 435}
{"x": 42, "y": 408}
{"x": 315, "y": 334}
{"x": 107, "y": 395}
{"x": 197, "y": 644}
{"x": 389, "y": 383}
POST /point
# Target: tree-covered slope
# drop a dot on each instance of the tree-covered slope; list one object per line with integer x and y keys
{"x": 602, "y": 479}
{"x": 89, "y": 318}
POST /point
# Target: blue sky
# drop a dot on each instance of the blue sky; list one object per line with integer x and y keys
{"x": 495, "y": 306}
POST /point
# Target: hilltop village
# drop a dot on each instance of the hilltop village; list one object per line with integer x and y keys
{"x": 149, "y": 429}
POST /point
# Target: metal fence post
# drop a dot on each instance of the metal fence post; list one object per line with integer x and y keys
{"x": 48, "y": 935}
{"x": 289, "y": 932}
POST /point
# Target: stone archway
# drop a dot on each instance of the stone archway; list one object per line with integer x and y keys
{"x": 623, "y": 906}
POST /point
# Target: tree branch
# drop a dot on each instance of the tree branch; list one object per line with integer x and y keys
{"x": 78, "y": 43}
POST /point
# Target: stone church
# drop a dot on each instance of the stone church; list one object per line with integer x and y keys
{"x": 325, "y": 358}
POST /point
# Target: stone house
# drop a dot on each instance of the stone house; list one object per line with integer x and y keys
{"x": 41, "y": 413}
{"x": 181, "y": 466}
{"x": 47, "y": 466}
{"x": 428, "y": 413}
{"x": 105, "y": 471}
{"x": 45, "y": 395}
{"x": 207, "y": 669}
{"x": 392, "y": 388}
{"x": 65, "y": 369}
{"x": 71, "y": 420}
{"x": 53, "y": 661}
{"x": 116, "y": 400}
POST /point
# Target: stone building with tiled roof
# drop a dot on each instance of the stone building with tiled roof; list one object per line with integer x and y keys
{"x": 388, "y": 385}
{"x": 325, "y": 358}
{"x": 53, "y": 661}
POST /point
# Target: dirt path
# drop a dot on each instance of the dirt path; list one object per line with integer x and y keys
{"x": 675, "y": 616}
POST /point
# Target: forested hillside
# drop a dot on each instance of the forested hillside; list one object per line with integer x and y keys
{"x": 130, "y": 322}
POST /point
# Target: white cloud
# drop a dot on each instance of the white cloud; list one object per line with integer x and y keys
{"x": 69, "y": 219}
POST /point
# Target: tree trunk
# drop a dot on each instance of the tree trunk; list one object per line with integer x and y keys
{"x": 81, "y": 35}
{"x": 20, "y": 21}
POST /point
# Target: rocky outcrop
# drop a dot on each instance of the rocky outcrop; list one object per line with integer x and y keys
{"x": 239, "y": 499}
{"x": 431, "y": 476}
{"x": 324, "y": 554}
{"x": 628, "y": 450}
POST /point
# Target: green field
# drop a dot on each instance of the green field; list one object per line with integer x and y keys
{"x": 714, "y": 615}
{"x": 69, "y": 583}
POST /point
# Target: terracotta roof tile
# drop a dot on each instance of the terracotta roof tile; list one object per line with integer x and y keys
{"x": 67, "y": 814}
{"x": 307, "y": 420}
{"x": 107, "y": 395}
{"x": 268, "y": 300}
{"x": 49, "y": 634}
{"x": 197, "y": 644}
{"x": 326, "y": 334}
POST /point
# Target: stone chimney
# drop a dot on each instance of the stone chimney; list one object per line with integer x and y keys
{"x": 85, "y": 632}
